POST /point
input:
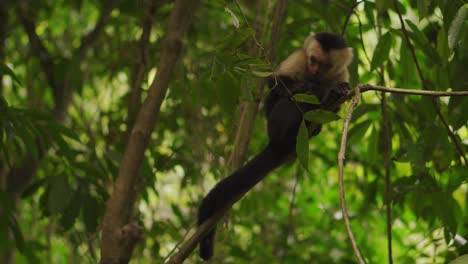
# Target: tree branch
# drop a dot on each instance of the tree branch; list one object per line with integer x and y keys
{"x": 435, "y": 103}
{"x": 140, "y": 67}
{"x": 341, "y": 157}
{"x": 117, "y": 248}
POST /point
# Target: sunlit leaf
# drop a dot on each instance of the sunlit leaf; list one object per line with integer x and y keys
{"x": 31, "y": 189}
{"x": 262, "y": 74}
{"x": 456, "y": 26}
{"x": 442, "y": 46}
{"x": 321, "y": 116}
{"x": 5, "y": 70}
{"x": 306, "y": 98}
{"x": 460, "y": 260}
{"x": 423, "y": 7}
{"x": 381, "y": 51}
{"x": 406, "y": 64}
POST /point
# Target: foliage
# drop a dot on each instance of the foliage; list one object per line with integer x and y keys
{"x": 71, "y": 155}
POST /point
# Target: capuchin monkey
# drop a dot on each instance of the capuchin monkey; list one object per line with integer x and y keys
{"x": 319, "y": 68}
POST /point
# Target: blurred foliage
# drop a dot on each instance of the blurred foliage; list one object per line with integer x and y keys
{"x": 293, "y": 216}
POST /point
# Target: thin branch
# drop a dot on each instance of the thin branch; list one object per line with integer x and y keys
{"x": 435, "y": 103}
{"x": 348, "y": 16}
{"x": 370, "y": 87}
{"x": 177, "y": 246}
{"x": 341, "y": 157}
{"x": 39, "y": 49}
{"x": 289, "y": 227}
{"x": 140, "y": 67}
{"x": 387, "y": 142}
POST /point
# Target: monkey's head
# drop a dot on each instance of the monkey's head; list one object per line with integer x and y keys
{"x": 328, "y": 57}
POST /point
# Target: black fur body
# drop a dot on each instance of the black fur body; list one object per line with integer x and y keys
{"x": 284, "y": 117}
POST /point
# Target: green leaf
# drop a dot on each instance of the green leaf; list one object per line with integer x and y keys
{"x": 71, "y": 212}
{"x": 7, "y": 71}
{"x": 456, "y": 26}
{"x": 302, "y": 145}
{"x": 90, "y": 213}
{"x": 406, "y": 64}
{"x": 383, "y": 5}
{"x": 423, "y": 7}
{"x": 306, "y": 98}
{"x": 321, "y": 116}
{"x": 59, "y": 195}
{"x": 178, "y": 213}
{"x": 443, "y": 47}
{"x": 421, "y": 42}
{"x": 236, "y": 38}
{"x": 381, "y": 51}
{"x": 19, "y": 239}
{"x": 64, "y": 131}
{"x": 262, "y": 74}
{"x": 460, "y": 260}
{"x": 358, "y": 131}
{"x": 31, "y": 189}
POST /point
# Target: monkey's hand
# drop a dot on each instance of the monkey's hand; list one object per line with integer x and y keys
{"x": 335, "y": 93}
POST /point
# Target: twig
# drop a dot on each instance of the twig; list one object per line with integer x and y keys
{"x": 289, "y": 227}
{"x": 341, "y": 157}
{"x": 187, "y": 232}
{"x": 451, "y": 134}
{"x": 387, "y": 142}
{"x": 348, "y": 16}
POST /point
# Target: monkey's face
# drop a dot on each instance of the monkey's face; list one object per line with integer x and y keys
{"x": 327, "y": 66}
{"x": 318, "y": 61}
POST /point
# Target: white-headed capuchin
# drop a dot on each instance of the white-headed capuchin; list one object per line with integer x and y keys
{"x": 319, "y": 68}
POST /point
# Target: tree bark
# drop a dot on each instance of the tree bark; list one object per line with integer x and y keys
{"x": 119, "y": 236}
{"x": 244, "y": 132}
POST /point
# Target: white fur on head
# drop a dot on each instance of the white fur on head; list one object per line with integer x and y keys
{"x": 308, "y": 40}
{"x": 294, "y": 66}
{"x": 342, "y": 56}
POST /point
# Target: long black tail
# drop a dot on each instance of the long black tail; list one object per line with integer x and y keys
{"x": 229, "y": 188}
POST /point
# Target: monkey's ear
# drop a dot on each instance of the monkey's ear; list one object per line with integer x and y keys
{"x": 309, "y": 39}
{"x": 350, "y": 56}
{"x": 342, "y": 57}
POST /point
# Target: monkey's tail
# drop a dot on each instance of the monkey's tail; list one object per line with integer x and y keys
{"x": 236, "y": 184}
